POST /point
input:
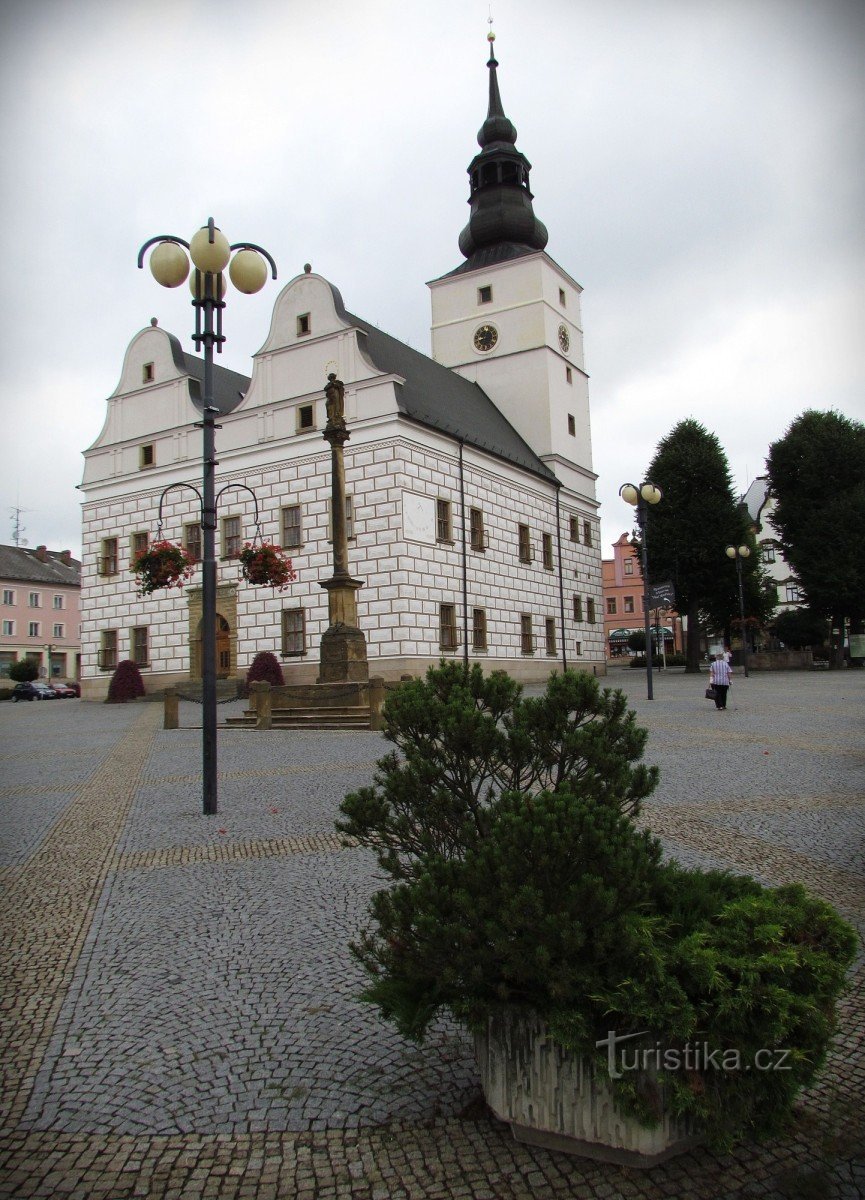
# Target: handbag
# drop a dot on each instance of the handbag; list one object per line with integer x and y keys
{"x": 710, "y": 692}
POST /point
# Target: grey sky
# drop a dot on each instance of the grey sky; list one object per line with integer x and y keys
{"x": 698, "y": 165}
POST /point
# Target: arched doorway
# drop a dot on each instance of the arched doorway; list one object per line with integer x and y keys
{"x": 223, "y": 649}
{"x": 226, "y": 631}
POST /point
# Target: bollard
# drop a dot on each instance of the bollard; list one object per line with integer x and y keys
{"x": 171, "y": 717}
{"x": 263, "y": 704}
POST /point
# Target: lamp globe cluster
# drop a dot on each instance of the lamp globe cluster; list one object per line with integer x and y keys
{"x": 631, "y": 494}
{"x": 210, "y": 252}
{"x": 742, "y": 551}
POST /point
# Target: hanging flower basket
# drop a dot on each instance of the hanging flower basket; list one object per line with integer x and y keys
{"x": 162, "y": 565}
{"x": 264, "y": 563}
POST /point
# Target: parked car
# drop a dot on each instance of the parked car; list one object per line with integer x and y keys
{"x": 33, "y": 691}
{"x": 64, "y": 691}
{"x": 75, "y": 685}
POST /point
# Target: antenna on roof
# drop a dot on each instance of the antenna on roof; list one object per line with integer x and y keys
{"x": 17, "y": 527}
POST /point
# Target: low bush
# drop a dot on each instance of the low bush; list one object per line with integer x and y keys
{"x": 265, "y": 668}
{"x": 126, "y": 683}
{"x": 24, "y": 670}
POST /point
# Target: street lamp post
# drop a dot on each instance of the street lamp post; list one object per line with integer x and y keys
{"x": 738, "y": 553}
{"x": 640, "y": 498}
{"x": 210, "y": 252}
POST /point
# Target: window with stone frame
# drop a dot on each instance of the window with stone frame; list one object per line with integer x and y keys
{"x": 293, "y": 632}
{"x": 138, "y": 543}
{"x": 611, "y": 606}
{"x": 629, "y": 566}
{"x": 575, "y": 529}
{"x": 8, "y": 628}
{"x": 547, "y": 544}
{"x": 58, "y": 629}
{"x": 578, "y": 647}
{"x": 447, "y": 627}
{"x": 305, "y": 417}
{"x": 479, "y": 629}
{"x": 59, "y": 602}
{"x": 578, "y": 609}
{"x": 34, "y": 600}
{"x": 34, "y": 629}
{"x": 590, "y": 610}
{"x": 108, "y": 556}
{"x": 139, "y": 645}
{"x": 628, "y": 604}
{"x": 792, "y": 593}
{"x": 290, "y": 527}
{"x": 8, "y": 595}
{"x": 349, "y": 519}
{"x": 527, "y": 641}
{"x": 524, "y": 543}
{"x": 550, "y": 634}
{"x": 192, "y": 540}
{"x": 587, "y": 533}
{"x": 767, "y": 552}
{"x": 444, "y": 528}
{"x": 232, "y": 537}
{"x": 107, "y": 650}
{"x": 476, "y": 520}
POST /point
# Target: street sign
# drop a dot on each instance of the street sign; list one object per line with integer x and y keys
{"x": 662, "y": 595}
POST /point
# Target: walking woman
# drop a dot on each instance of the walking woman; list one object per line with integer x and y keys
{"x": 720, "y": 676}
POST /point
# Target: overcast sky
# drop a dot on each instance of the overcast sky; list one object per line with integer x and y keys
{"x": 698, "y": 164}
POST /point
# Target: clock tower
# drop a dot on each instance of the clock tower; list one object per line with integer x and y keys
{"x": 509, "y": 316}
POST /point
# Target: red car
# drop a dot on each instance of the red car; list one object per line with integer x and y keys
{"x": 65, "y": 690}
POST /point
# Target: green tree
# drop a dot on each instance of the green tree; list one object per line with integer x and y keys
{"x": 23, "y": 671}
{"x": 817, "y": 478}
{"x": 688, "y": 532}
{"x": 800, "y": 627}
{"x": 637, "y": 641}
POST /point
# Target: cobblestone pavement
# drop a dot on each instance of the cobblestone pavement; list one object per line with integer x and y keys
{"x": 179, "y": 1013}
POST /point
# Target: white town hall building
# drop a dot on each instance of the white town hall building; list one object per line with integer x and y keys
{"x": 471, "y": 495}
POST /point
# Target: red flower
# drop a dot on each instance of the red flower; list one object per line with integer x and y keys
{"x": 161, "y": 565}
{"x": 266, "y": 564}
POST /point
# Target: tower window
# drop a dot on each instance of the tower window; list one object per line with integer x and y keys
{"x": 510, "y": 173}
{"x": 147, "y": 373}
{"x": 572, "y": 425}
{"x": 569, "y": 375}
{"x": 303, "y": 324}
{"x": 489, "y": 173}
{"x": 485, "y": 295}
{"x": 148, "y": 456}
{"x": 563, "y": 300}
{"x": 305, "y": 417}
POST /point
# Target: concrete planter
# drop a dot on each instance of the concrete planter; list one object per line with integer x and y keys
{"x": 557, "y": 1100}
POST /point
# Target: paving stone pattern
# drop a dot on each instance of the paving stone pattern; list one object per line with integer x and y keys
{"x": 180, "y": 1015}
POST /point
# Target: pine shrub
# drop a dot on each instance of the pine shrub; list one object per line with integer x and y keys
{"x": 518, "y": 878}
{"x": 126, "y": 683}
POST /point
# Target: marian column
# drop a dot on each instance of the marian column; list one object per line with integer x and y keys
{"x": 343, "y": 646}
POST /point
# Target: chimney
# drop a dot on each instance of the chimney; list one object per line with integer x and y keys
{"x": 42, "y": 553}
{"x": 65, "y": 557}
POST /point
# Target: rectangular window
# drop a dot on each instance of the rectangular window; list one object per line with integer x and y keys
{"x": 767, "y": 553}
{"x": 629, "y": 604}
{"x": 147, "y": 456}
{"x": 33, "y": 629}
{"x": 575, "y": 529}
{"x": 587, "y": 533}
{"x": 139, "y": 645}
{"x": 569, "y": 375}
{"x": 444, "y": 532}
{"x": 477, "y": 529}
{"x": 792, "y": 595}
{"x": 485, "y": 295}
{"x": 629, "y": 566}
{"x": 550, "y": 631}
{"x": 293, "y": 632}
{"x": 58, "y": 665}
{"x": 525, "y": 544}
{"x": 8, "y": 628}
{"x": 578, "y": 647}
{"x": 563, "y": 300}
{"x": 304, "y": 325}
{"x": 147, "y": 373}
{"x": 447, "y": 627}
{"x": 479, "y": 629}
{"x": 58, "y": 630}
{"x": 139, "y": 543}
{"x": 35, "y": 600}
{"x": 108, "y": 556}
{"x": 590, "y": 611}
{"x": 349, "y": 519}
{"x": 578, "y": 609}
{"x": 305, "y": 417}
{"x": 231, "y": 537}
{"x": 547, "y": 541}
{"x": 108, "y": 650}
{"x": 572, "y": 425}
{"x": 192, "y": 540}
{"x": 527, "y": 642}
{"x": 7, "y": 658}
{"x": 611, "y": 606}
{"x": 59, "y": 602}
{"x": 290, "y": 521}
{"x": 8, "y": 596}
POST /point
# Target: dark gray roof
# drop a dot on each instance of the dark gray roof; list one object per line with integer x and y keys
{"x": 489, "y": 256}
{"x": 19, "y": 562}
{"x": 441, "y": 399}
{"x": 229, "y": 387}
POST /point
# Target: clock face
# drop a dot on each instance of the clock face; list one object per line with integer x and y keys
{"x": 486, "y": 337}
{"x": 564, "y": 338}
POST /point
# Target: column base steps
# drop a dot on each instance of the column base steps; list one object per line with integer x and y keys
{"x": 347, "y": 717}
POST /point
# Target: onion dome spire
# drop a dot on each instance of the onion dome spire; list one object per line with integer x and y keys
{"x": 500, "y": 200}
